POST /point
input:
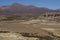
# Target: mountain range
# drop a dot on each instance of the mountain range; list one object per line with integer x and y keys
{"x": 20, "y": 9}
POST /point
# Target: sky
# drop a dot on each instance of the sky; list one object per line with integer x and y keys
{"x": 51, "y": 4}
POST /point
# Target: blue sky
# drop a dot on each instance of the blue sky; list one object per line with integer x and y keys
{"x": 52, "y": 4}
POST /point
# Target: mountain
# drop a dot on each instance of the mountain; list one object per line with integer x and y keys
{"x": 19, "y": 8}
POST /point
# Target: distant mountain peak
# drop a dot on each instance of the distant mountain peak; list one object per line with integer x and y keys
{"x": 16, "y": 5}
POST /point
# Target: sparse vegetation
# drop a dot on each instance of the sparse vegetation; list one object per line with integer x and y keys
{"x": 27, "y": 35}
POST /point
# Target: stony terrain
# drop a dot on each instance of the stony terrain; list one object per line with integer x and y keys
{"x": 29, "y": 23}
{"x": 39, "y": 28}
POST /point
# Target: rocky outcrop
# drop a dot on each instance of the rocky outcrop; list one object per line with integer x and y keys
{"x": 5, "y": 35}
